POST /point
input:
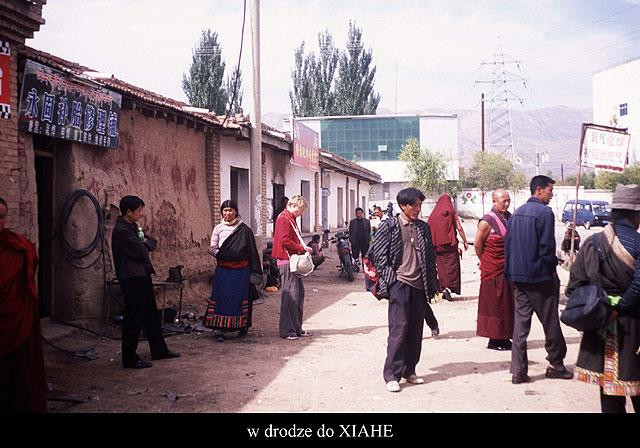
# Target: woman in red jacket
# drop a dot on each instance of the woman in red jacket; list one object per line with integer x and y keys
{"x": 287, "y": 241}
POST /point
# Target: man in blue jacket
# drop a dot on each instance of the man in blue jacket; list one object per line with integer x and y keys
{"x": 530, "y": 250}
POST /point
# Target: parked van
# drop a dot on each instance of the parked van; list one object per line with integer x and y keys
{"x": 590, "y": 213}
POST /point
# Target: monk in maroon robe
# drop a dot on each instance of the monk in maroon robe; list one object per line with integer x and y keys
{"x": 23, "y": 386}
{"x": 444, "y": 222}
{"x": 496, "y": 300}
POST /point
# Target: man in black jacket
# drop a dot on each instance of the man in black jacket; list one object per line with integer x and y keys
{"x": 133, "y": 267}
{"x": 359, "y": 234}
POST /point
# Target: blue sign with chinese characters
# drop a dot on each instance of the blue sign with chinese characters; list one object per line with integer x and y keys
{"x": 55, "y": 104}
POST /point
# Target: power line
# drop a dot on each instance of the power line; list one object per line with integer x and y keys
{"x": 587, "y": 26}
{"x": 237, "y": 76}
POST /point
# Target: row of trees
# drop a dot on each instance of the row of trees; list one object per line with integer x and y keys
{"x": 335, "y": 82}
{"x": 427, "y": 171}
{"x": 607, "y": 180}
{"x": 205, "y": 84}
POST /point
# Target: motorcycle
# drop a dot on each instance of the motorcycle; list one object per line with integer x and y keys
{"x": 347, "y": 264}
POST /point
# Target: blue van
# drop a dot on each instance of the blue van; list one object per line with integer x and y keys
{"x": 590, "y": 213}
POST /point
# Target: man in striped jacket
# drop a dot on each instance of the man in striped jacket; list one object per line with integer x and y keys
{"x": 405, "y": 260}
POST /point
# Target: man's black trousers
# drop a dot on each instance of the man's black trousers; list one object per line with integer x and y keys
{"x": 406, "y": 317}
{"x": 140, "y": 311}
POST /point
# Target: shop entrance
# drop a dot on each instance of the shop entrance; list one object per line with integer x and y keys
{"x": 44, "y": 157}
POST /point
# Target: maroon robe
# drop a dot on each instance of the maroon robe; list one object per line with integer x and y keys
{"x": 23, "y": 386}
{"x": 496, "y": 306}
{"x": 442, "y": 222}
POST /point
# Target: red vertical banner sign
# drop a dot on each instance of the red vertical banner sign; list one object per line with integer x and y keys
{"x": 306, "y": 147}
{"x": 5, "y": 79}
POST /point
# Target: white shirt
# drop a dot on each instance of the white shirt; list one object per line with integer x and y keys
{"x": 220, "y": 233}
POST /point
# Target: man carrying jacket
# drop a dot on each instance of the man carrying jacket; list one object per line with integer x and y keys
{"x": 530, "y": 251}
{"x": 133, "y": 267}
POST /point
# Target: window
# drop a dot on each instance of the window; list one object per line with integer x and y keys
{"x": 623, "y": 109}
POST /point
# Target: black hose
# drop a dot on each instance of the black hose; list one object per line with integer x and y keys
{"x": 72, "y": 253}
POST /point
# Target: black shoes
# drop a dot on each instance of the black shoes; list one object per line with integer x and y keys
{"x": 519, "y": 379}
{"x": 497, "y": 344}
{"x": 138, "y": 364}
{"x": 166, "y": 355}
{"x": 435, "y": 333}
{"x": 561, "y": 374}
{"x": 446, "y": 294}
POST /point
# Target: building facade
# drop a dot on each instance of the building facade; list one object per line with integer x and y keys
{"x": 375, "y": 141}
{"x": 616, "y": 102}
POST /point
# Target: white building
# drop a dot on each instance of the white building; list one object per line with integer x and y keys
{"x": 616, "y": 101}
{"x": 374, "y": 142}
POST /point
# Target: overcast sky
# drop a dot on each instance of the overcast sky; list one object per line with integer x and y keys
{"x": 437, "y": 45}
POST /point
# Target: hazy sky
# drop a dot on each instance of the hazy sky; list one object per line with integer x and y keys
{"x": 438, "y": 45}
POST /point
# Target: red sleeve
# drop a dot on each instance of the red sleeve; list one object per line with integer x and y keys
{"x": 285, "y": 236}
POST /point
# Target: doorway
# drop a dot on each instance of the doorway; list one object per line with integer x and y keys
{"x": 278, "y": 195}
{"x": 340, "y": 199}
{"x": 305, "y": 191}
{"x": 239, "y": 189}
{"x": 43, "y": 148}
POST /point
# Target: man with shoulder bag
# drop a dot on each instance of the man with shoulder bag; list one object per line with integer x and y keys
{"x": 405, "y": 262}
{"x": 610, "y": 259}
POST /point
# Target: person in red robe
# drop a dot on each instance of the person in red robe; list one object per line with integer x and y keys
{"x": 23, "y": 384}
{"x": 445, "y": 224}
{"x": 496, "y": 300}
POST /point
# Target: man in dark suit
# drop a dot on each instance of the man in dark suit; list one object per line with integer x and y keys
{"x": 359, "y": 234}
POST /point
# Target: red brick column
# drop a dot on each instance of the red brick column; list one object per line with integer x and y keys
{"x": 212, "y": 162}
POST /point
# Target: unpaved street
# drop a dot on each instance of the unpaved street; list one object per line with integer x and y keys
{"x": 338, "y": 369}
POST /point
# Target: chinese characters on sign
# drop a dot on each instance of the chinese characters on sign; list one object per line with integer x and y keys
{"x": 605, "y": 149}
{"x": 5, "y": 79}
{"x": 306, "y": 147}
{"x": 54, "y": 105}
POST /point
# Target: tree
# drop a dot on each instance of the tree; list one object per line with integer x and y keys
{"x": 302, "y": 96}
{"x": 236, "y": 106}
{"x": 426, "y": 169}
{"x": 204, "y": 84}
{"x": 354, "y": 85}
{"x": 323, "y": 75}
{"x": 316, "y": 89}
{"x": 491, "y": 171}
{"x": 608, "y": 180}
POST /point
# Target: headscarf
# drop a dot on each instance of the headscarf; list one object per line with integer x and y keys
{"x": 442, "y": 222}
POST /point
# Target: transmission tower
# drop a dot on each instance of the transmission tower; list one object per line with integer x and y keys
{"x": 500, "y": 130}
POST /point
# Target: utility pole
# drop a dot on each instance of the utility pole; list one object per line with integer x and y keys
{"x": 255, "y": 161}
{"x": 537, "y": 161}
{"x": 482, "y": 120}
{"x": 562, "y": 172}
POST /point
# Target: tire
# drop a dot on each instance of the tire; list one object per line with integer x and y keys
{"x": 587, "y": 225}
{"x": 348, "y": 266}
{"x": 350, "y": 272}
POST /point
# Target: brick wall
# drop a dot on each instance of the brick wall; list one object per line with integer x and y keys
{"x": 10, "y": 171}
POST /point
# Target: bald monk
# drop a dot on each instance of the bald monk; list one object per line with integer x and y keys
{"x": 496, "y": 300}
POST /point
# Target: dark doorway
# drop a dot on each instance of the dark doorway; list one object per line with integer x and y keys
{"x": 278, "y": 194}
{"x": 44, "y": 184}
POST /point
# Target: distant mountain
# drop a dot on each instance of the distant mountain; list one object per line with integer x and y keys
{"x": 554, "y": 130}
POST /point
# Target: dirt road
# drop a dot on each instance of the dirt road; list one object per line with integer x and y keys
{"x": 338, "y": 369}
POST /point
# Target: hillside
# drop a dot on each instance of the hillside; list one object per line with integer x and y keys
{"x": 554, "y": 130}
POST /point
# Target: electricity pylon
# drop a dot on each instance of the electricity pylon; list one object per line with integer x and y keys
{"x": 500, "y": 129}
